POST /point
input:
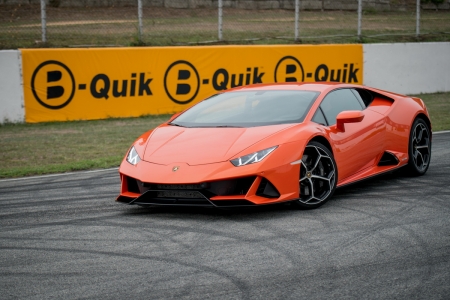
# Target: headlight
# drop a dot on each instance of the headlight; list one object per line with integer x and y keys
{"x": 133, "y": 157}
{"x": 252, "y": 158}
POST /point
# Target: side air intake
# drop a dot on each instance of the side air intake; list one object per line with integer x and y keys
{"x": 266, "y": 189}
{"x": 388, "y": 159}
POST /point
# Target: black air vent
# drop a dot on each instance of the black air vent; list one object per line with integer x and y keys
{"x": 132, "y": 185}
{"x": 388, "y": 159}
{"x": 267, "y": 190}
{"x": 239, "y": 186}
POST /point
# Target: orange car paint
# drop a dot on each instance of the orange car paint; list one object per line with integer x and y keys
{"x": 357, "y": 144}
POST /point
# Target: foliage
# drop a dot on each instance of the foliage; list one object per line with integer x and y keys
{"x": 54, "y": 3}
{"x": 435, "y": 2}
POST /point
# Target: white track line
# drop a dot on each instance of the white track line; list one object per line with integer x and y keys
{"x": 105, "y": 170}
{"x": 59, "y": 174}
{"x": 445, "y": 131}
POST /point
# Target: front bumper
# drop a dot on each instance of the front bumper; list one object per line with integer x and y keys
{"x": 218, "y": 185}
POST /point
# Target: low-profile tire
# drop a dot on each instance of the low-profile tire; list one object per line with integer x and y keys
{"x": 419, "y": 148}
{"x": 318, "y": 176}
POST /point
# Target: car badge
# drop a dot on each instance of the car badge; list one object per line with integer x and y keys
{"x": 174, "y": 169}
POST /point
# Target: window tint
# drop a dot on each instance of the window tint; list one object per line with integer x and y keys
{"x": 366, "y": 96}
{"x": 319, "y": 118}
{"x": 338, "y": 101}
{"x": 248, "y": 109}
{"x": 358, "y": 96}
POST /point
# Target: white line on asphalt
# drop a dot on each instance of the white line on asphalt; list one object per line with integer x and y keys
{"x": 445, "y": 131}
{"x": 59, "y": 174}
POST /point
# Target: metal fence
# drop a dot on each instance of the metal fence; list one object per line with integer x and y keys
{"x": 70, "y": 23}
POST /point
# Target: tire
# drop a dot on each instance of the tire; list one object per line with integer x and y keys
{"x": 419, "y": 148}
{"x": 318, "y": 176}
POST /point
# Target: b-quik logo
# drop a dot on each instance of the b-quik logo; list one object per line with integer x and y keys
{"x": 289, "y": 69}
{"x": 181, "y": 82}
{"x": 53, "y": 84}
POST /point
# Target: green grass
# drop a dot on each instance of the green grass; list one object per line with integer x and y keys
{"x": 33, "y": 149}
{"x": 438, "y": 105}
{"x": 43, "y": 148}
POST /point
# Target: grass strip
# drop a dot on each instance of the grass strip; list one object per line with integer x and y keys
{"x": 57, "y": 147}
{"x": 43, "y": 148}
{"x": 438, "y": 105}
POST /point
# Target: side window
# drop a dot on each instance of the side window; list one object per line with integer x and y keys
{"x": 366, "y": 96}
{"x": 319, "y": 118}
{"x": 338, "y": 101}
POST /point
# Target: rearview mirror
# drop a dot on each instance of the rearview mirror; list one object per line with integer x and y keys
{"x": 349, "y": 116}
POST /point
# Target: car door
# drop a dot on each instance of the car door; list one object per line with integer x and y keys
{"x": 357, "y": 147}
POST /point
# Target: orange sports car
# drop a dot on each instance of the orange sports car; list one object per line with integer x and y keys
{"x": 272, "y": 143}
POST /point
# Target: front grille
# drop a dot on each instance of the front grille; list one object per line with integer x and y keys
{"x": 176, "y": 194}
{"x": 198, "y": 194}
{"x": 238, "y": 186}
{"x": 171, "y": 197}
{"x": 177, "y": 186}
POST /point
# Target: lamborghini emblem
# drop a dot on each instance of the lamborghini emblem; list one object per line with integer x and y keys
{"x": 174, "y": 169}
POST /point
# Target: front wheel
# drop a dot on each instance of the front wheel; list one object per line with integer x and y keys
{"x": 318, "y": 176}
{"x": 419, "y": 148}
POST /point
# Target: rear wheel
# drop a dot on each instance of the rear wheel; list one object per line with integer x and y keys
{"x": 318, "y": 176}
{"x": 419, "y": 148}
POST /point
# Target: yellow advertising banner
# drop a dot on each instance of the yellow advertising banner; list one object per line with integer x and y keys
{"x": 84, "y": 84}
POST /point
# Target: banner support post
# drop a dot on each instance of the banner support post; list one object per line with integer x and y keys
{"x": 220, "y": 12}
{"x": 43, "y": 21}
{"x": 297, "y": 17}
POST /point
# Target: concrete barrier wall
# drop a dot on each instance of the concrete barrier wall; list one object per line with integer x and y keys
{"x": 410, "y": 68}
{"x": 11, "y": 91}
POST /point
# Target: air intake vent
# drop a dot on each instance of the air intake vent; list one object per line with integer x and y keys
{"x": 388, "y": 159}
{"x": 132, "y": 185}
{"x": 267, "y": 190}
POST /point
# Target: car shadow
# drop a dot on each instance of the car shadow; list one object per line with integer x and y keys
{"x": 360, "y": 187}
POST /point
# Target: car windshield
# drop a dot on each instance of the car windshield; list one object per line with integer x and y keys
{"x": 249, "y": 109}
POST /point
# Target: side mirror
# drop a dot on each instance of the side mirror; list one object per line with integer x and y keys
{"x": 349, "y": 116}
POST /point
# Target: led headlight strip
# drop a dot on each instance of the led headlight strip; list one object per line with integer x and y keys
{"x": 252, "y": 158}
{"x": 133, "y": 157}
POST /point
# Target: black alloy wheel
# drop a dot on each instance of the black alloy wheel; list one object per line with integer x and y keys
{"x": 419, "y": 148}
{"x": 318, "y": 176}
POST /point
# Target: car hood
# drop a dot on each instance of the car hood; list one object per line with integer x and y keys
{"x": 197, "y": 146}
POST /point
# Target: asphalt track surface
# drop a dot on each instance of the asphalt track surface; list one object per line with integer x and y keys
{"x": 64, "y": 237}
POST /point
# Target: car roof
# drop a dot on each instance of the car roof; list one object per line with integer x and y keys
{"x": 301, "y": 86}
